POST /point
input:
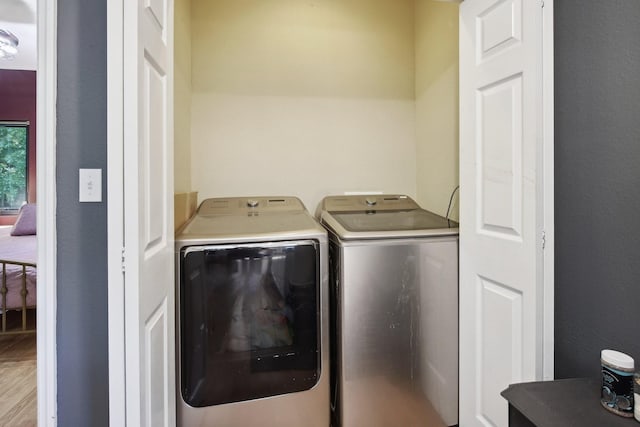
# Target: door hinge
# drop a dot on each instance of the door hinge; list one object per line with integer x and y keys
{"x": 544, "y": 240}
{"x": 122, "y": 260}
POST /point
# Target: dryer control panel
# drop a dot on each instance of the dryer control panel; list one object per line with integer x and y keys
{"x": 243, "y": 205}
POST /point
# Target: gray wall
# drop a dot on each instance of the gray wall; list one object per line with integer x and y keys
{"x": 597, "y": 179}
{"x": 597, "y": 195}
{"x": 81, "y": 227}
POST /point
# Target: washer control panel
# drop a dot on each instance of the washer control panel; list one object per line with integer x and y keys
{"x": 382, "y": 202}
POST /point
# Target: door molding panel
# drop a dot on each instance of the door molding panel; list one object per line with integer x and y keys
{"x": 141, "y": 252}
{"x": 46, "y": 78}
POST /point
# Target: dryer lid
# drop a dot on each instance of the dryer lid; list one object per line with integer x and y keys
{"x": 241, "y": 219}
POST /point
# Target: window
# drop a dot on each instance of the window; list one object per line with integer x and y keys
{"x": 14, "y": 139}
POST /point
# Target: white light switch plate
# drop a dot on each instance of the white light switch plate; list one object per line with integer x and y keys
{"x": 90, "y": 185}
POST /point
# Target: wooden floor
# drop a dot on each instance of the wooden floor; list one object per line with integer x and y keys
{"x": 18, "y": 398}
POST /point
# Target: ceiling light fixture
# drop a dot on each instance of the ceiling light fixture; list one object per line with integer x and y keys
{"x": 8, "y": 44}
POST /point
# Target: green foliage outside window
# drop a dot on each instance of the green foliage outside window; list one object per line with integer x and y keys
{"x": 13, "y": 166}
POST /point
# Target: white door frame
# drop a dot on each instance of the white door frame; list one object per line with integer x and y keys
{"x": 115, "y": 203}
{"x": 115, "y": 212}
{"x": 46, "y": 78}
{"x": 46, "y": 216}
{"x": 548, "y": 290}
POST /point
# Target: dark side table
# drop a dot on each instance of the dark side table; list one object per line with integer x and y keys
{"x": 561, "y": 403}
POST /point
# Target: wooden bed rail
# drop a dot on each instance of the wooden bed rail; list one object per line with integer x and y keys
{"x": 23, "y": 295}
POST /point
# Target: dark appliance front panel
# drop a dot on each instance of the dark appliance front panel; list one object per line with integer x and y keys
{"x": 249, "y": 321}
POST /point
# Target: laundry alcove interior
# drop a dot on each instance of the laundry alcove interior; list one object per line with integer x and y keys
{"x": 316, "y": 97}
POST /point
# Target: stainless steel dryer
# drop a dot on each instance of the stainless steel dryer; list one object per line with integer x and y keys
{"x": 252, "y": 294}
{"x": 394, "y": 312}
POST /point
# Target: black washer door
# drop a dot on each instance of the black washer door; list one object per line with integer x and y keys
{"x": 249, "y": 321}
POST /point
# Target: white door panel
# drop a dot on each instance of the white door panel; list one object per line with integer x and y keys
{"x": 499, "y": 27}
{"x": 500, "y": 201}
{"x": 148, "y": 211}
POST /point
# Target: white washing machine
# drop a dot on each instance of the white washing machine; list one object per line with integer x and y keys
{"x": 252, "y": 303}
{"x": 394, "y": 312}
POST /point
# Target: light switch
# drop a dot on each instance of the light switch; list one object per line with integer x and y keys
{"x": 90, "y": 185}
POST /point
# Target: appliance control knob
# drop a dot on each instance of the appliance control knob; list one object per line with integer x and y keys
{"x": 252, "y": 203}
{"x": 371, "y": 201}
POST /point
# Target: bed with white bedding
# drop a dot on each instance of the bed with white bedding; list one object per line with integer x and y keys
{"x": 18, "y": 256}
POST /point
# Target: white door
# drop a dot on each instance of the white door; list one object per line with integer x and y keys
{"x": 148, "y": 213}
{"x": 500, "y": 203}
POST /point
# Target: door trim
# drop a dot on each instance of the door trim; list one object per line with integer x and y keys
{"x": 548, "y": 347}
{"x": 46, "y": 81}
{"x": 115, "y": 213}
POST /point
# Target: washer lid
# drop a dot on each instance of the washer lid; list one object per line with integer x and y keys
{"x": 382, "y": 217}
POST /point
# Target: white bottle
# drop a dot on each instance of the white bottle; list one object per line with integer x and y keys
{"x": 617, "y": 383}
{"x": 636, "y": 396}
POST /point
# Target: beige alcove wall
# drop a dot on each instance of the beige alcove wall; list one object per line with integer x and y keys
{"x": 317, "y": 97}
